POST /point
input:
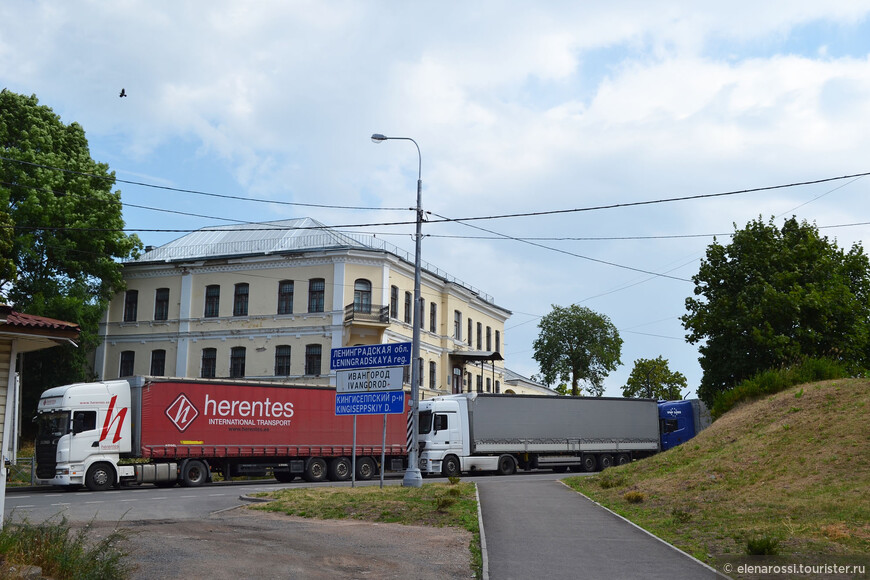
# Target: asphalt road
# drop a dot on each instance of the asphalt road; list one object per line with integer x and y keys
{"x": 543, "y": 529}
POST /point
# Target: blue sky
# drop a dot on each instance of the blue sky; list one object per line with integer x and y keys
{"x": 517, "y": 108}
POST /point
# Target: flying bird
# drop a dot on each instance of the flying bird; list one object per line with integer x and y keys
{"x": 123, "y": 93}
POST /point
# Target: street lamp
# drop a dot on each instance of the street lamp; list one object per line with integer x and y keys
{"x": 412, "y": 474}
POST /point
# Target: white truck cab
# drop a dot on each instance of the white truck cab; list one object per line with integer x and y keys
{"x": 81, "y": 431}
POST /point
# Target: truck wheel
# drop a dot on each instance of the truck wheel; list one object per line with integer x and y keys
{"x": 506, "y": 465}
{"x": 315, "y": 471}
{"x": 589, "y": 463}
{"x": 450, "y": 466}
{"x": 194, "y": 473}
{"x": 365, "y": 468}
{"x": 623, "y": 459}
{"x": 340, "y": 469}
{"x": 605, "y": 461}
{"x": 100, "y": 477}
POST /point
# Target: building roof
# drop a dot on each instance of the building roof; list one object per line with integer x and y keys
{"x": 283, "y": 236}
{"x": 35, "y": 332}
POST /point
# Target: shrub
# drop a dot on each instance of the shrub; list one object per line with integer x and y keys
{"x": 776, "y": 380}
{"x": 762, "y": 546}
{"x": 634, "y": 496}
{"x": 453, "y": 479}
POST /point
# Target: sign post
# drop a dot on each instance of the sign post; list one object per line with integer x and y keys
{"x": 369, "y": 382}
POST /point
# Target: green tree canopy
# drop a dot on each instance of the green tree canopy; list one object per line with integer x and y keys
{"x": 773, "y": 297}
{"x": 652, "y": 379}
{"x": 576, "y": 344}
{"x": 68, "y": 230}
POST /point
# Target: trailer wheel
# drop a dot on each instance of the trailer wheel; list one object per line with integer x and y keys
{"x": 589, "y": 463}
{"x": 506, "y": 465}
{"x": 100, "y": 477}
{"x": 450, "y": 466}
{"x": 194, "y": 473}
{"x": 315, "y": 471}
{"x": 340, "y": 469}
{"x": 605, "y": 461}
{"x": 365, "y": 468}
{"x": 623, "y": 459}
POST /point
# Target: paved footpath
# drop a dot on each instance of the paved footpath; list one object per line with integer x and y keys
{"x": 544, "y": 529}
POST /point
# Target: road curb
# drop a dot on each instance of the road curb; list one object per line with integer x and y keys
{"x": 484, "y": 557}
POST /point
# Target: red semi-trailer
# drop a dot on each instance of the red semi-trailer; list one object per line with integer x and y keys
{"x": 169, "y": 430}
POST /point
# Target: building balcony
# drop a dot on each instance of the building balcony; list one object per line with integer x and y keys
{"x": 367, "y": 314}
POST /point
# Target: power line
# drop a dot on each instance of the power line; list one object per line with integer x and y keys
{"x": 197, "y": 192}
{"x": 463, "y": 219}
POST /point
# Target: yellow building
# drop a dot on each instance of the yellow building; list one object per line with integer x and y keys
{"x": 271, "y": 300}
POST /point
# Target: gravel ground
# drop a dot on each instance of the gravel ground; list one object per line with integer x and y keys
{"x": 244, "y": 544}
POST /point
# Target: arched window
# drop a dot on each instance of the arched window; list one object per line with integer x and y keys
{"x": 240, "y": 300}
{"x": 362, "y": 296}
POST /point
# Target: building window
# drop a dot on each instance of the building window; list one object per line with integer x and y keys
{"x": 237, "y": 362}
{"x": 127, "y": 359}
{"x": 212, "y": 301}
{"x": 497, "y": 341}
{"x": 422, "y": 314}
{"x": 209, "y": 363}
{"x": 420, "y": 372}
{"x": 470, "y": 331}
{"x": 394, "y": 302}
{"x": 312, "y": 359}
{"x": 457, "y": 325}
{"x": 316, "y": 292}
{"x": 479, "y": 379}
{"x": 488, "y": 338}
{"x": 497, "y": 387}
{"x": 158, "y": 362}
{"x": 433, "y": 376}
{"x": 362, "y": 296}
{"x": 406, "y": 374}
{"x": 161, "y": 304}
{"x": 479, "y": 336}
{"x": 285, "y": 297}
{"x": 468, "y": 381}
{"x": 433, "y": 317}
{"x": 282, "y": 361}
{"x": 488, "y": 385}
{"x": 408, "y": 307}
{"x": 131, "y": 305}
{"x": 240, "y": 300}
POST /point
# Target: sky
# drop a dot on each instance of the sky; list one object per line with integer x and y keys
{"x": 614, "y": 110}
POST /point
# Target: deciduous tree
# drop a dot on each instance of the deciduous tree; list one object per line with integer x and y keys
{"x": 68, "y": 231}
{"x": 773, "y": 297}
{"x": 576, "y": 344}
{"x": 652, "y": 379}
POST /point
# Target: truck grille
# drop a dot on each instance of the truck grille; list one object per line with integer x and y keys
{"x": 46, "y": 459}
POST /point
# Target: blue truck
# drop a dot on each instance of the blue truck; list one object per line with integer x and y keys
{"x": 503, "y": 433}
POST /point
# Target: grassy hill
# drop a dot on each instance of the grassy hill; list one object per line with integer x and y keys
{"x": 791, "y": 470}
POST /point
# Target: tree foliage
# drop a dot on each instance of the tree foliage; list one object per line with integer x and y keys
{"x": 773, "y": 297}
{"x": 68, "y": 230}
{"x": 652, "y": 379}
{"x": 576, "y": 344}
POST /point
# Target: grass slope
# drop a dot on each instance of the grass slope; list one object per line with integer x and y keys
{"x": 794, "y": 468}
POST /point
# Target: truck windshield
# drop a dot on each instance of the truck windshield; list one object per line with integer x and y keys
{"x": 54, "y": 424}
{"x": 425, "y": 422}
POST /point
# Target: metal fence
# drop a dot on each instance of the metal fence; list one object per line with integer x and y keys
{"x": 22, "y": 473}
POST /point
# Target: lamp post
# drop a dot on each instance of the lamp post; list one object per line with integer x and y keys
{"x": 412, "y": 474}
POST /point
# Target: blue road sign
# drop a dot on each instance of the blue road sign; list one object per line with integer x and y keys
{"x": 378, "y": 403}
{"x": 393, "y": 354}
